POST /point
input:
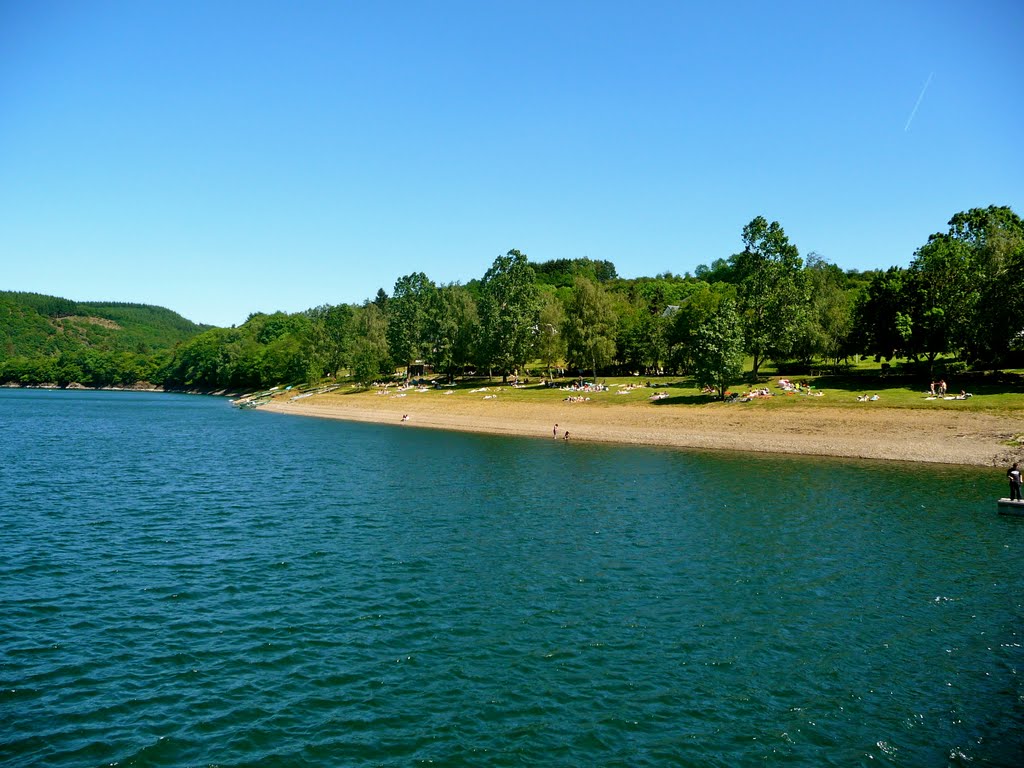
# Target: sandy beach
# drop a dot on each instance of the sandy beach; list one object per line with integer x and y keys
{"x": 935, "y": 436}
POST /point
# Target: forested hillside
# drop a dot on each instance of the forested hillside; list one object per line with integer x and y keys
{"x": 956, "y": 306}
{"x": 46, "y": 339}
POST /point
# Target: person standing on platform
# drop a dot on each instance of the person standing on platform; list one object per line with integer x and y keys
{"x": 1013, "y": 475}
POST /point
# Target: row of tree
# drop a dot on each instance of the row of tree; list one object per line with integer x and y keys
{"x": 765, "y": 302}
{"x": 960, "y": 294}
{"x": 36, "y": 326}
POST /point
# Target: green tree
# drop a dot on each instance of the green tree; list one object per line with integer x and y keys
{"x": 826, "y": 324}
{"x": 658, "y": 293}
{"x": 562, "y": 272}
{"x": 200, "y": 363}
{"x": 946, "y": 285}
{"x": 720, "y": 271}
{"x": 370, "y": 345}
{"x": 509, "y": 310}
{"x": 589, "y": 326}
{"x": 243, "y": 357}
{"x": 1002, "y": 312}
{"x": 640, "y": 336}
{"x": 550, "y": 340}
{"x": 285, "y": 360}
{"x": 27, "y": 319}
{"x": 771, "y": 293}
{"x": 718, "y": 349}
{"x": 267, "y": 328}
{"x": 69, "y": 373}
{"x": 31, "y": 371}
{"x": 691, "y": 314}
{"x": 407, "y": 318}
{"x": 332, "y": 336}
{"x": 995, "y": 238}
{"x": 452, "y": 328}
{"x": 882, "y": 325}
{"x": 994, "y": 235}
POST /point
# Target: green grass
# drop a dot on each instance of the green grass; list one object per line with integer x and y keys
{"x": 998, "y": 394}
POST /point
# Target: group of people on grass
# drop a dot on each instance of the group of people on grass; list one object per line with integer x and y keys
{"x": 585, "y": 386}
{"x": 937, "y": 391}
{"x": 799, "y": 387}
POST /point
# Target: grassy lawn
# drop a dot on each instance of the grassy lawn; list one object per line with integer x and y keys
{"x": 990, "y": 393}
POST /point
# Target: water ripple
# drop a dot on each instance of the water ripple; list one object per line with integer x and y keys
{"x": 191, "y": 585}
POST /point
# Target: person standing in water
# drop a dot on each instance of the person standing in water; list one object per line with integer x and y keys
{"x": 1013, "y": 475}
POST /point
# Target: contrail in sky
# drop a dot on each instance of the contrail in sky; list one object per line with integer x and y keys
{"x": 918, "y": 104}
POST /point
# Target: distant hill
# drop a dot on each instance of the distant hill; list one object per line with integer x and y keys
{"x": 34, "y": 325}
{"x": 562, "y": 272}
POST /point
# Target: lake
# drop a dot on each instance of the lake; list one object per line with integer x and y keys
{"x": 186, "y": 584}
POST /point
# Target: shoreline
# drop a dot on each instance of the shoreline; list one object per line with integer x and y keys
{"x": 137, "y": 387}
{"x": 968, "y": 438}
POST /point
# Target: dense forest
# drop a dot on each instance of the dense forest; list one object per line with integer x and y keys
{"x": 46, "y": 339}
{"x": 957, "y": 304}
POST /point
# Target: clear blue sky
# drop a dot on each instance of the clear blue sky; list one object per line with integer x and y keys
{"x": 220, "y": 158}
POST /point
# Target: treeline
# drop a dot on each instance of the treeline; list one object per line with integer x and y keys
{"x": 33, "y": 325}
{"x": 764, "y": 303}
{"x": 53, "y": 340}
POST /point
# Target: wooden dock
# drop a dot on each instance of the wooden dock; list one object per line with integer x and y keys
{"x": 1008, "y": 507}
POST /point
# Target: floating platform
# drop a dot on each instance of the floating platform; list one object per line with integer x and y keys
{"x": 1008, "y": 507}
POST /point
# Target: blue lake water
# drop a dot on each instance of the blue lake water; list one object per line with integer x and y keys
{"x": 184, "y": 584}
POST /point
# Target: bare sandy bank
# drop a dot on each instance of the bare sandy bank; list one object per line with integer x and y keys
{"x": 940, "y": 436}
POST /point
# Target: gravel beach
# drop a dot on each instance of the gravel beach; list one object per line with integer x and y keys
{"x": 866, "y": 430}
